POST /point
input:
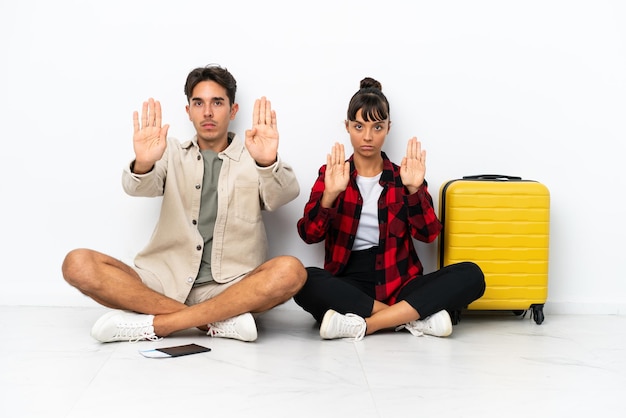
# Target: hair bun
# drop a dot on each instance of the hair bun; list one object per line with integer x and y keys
{"x": 369, "y": 82}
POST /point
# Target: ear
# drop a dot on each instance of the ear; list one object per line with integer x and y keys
{"x": 233, "y": 111}
{"x": 187, "y": 110}
{"x": 347, "y": 126}
{"x": 389, "y": 127}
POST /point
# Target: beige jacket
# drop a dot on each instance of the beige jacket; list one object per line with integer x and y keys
{"x": 174, "y": 251}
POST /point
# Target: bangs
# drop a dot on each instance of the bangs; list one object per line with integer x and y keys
{"x": 374, "y": 112}
{"x": 372, "y": 104}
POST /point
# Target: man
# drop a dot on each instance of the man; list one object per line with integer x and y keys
{"x": 206, "y": 264}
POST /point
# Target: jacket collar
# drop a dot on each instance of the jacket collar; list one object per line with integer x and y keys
{"x": 387, "y": 174}
{"x": 234, "y": 150}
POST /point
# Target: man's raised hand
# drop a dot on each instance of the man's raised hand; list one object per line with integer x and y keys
{"x": 149, "y": 138}
{"x": 262, "y": 138}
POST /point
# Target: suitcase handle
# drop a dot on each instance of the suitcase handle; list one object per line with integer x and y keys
{"x": 491, "y": 177}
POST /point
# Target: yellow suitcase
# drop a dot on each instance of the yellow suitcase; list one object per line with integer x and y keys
{"x": 502, "y": 223}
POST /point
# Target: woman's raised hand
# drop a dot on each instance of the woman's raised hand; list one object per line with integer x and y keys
{"x": 337, "y": 175}
{"x": 413, "y": 167}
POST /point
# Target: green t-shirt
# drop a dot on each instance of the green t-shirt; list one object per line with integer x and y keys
{"x": 208, "y": 213}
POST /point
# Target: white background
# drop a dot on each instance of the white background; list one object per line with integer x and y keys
{"x": 529, "y": 88}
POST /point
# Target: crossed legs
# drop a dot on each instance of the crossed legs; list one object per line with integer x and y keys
{"x": 116, "y": 285}
{"x": 422, "y": 303}
{"x": 323, "y": 291}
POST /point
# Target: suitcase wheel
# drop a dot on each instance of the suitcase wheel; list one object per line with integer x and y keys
{"x": 537, "y": 313}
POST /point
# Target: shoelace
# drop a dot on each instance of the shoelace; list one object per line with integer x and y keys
{"x": 412, "y": 328}
{"x": 135, "y": 332}
{"x": 222, "y": 329}
{"x": 353, "y": 324}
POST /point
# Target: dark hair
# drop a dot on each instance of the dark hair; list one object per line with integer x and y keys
{"x": 370, "y": 100}
{"x": 211, "y": 72}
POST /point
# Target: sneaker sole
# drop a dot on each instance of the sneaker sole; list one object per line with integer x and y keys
{"x": 251, "y": 326}
{"x": 324, "y": 325}
{"x": 445, "y": 324}
{"x": 97, "y": 327}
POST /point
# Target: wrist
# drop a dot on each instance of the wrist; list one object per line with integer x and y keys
{"x": 413, "y": 189}
{"x": 139, "y": 167}
{"x": 328, "y": 199}
{"x": 265, "y": 164}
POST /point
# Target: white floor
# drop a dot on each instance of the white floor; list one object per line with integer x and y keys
{"x": 493, "y": 365}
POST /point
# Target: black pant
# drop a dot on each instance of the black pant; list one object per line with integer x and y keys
{"x": 452, "y": 287}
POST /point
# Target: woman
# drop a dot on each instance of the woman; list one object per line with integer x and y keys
{"x": 367, "y": 210}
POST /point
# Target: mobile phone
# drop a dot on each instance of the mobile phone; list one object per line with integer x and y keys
{"x": 175, "y": 351}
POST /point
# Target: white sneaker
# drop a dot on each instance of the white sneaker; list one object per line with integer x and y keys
{"x": 439, "y": 325}
{"x": 335, "y": 325}
{"x": 241, "y": 327}
{"x": 124, "y": 326}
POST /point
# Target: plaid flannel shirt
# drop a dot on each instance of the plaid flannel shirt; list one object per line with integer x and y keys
{"x": 401, "y": 216}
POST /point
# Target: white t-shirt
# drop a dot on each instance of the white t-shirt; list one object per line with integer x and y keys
{"x": 367, "y": 234}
